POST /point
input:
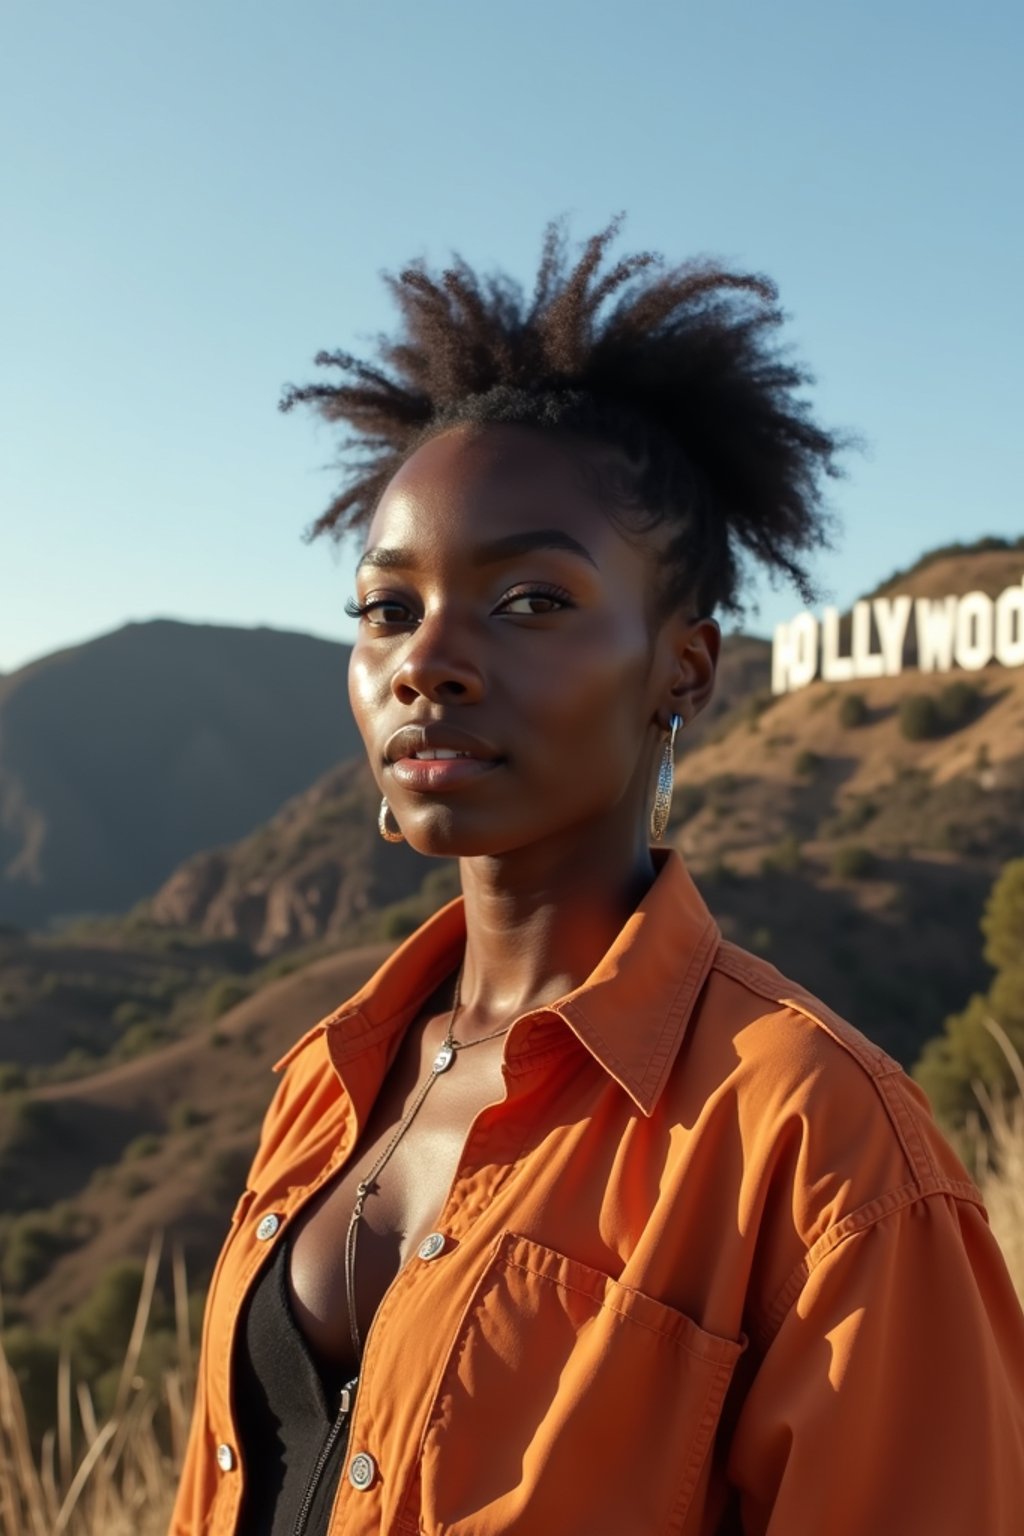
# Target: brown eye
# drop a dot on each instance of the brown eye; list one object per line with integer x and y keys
{"x": 549, "y": 595}
{"x": 363, "y": 610}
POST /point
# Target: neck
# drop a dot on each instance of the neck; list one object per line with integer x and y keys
{"x": 538, "y": 921}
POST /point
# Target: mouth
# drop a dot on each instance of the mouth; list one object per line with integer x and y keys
{"x": 440, "y": 773}
{"x": 434, "y": 755}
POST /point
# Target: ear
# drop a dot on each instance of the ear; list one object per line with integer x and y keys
{"x": 695, "y": 646}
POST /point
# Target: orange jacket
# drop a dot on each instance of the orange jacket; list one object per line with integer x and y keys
{"x": 708, "y": 1267}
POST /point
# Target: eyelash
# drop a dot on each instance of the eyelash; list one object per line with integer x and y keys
{"x": 361, "y": 610}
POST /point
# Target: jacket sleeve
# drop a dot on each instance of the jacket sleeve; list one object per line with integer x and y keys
{"x": 891, "y": 1398}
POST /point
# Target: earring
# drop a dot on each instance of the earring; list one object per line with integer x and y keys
{"x": 382, "y": 823}
{"x": 663, "y": 793}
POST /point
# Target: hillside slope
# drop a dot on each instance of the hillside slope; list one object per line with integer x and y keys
{"x": 854, "y": 857}
{"x": 122, "y": 756}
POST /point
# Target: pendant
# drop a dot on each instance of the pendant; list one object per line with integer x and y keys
{"x": 443, "y": 1059}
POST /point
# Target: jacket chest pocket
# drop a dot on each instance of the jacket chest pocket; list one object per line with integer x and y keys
{"x": 569, "y": 1403}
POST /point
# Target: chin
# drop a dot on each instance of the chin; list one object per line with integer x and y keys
{"x": 446, "y": 832}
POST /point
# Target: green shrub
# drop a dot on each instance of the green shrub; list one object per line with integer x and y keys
{"x": 228, "y": 1170}
{"x": 853, "y": 862}
{"x": 129, "y": 1012}
{"x": 34, "y": 1241}
{"x": 133, "y": 1182}
{"x": 851, "y": 817}
{"x": 807, "y": 763}
{"x": 785, "y": 858}
{"x": 853, "y": 711}
{"x": 223, "y": 995}
{"x": 959, "y": 704}
{"x": 141, "y": 1038}
{"x": 33, "y": 1358}
{"x": 142, "y": 1146}
{"x": 185, "y": 1115}
{"x": 687, "y": 800}
{"x": 919, "y": 718}
{"x": 12, "y": 1077}
{"x": 756, "y": 706}
{"x": 441, "y": 885}
{"x": 720, "y": 791}
{"x": 399, "y": 922}
{"x": 924, "y": 716}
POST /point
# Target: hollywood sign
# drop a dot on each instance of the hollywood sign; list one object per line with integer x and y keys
{"x": 968, "y": 632}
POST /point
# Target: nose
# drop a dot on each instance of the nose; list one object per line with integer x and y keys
{"x": 437, "y": 663}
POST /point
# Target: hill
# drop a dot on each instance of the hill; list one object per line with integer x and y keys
{"x": 122, "y": 756}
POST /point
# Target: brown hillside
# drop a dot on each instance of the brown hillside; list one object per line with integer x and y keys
{"x": 307, "y": 873}
{"x": 121, "y": 756}
{"x": 855, "y": 858}
{"x": 218, "y": 1079}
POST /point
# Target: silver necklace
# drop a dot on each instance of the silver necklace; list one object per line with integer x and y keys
{"x": 442, "y": 1061}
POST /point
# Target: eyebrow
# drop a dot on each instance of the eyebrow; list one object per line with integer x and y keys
{"x": 382, "y": 558}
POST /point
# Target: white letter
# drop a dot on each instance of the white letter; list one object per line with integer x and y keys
{"x": 781, "y": 657}
{"x": 935, "y": 622}
{"x": 892, "y": 615}
{"x": 834, "y": 668}
{"x": 864, "y": 663}
{"x": 974, "y": 631}
{"x": 1010, "y": 615}
{"x": 795, "y": 653}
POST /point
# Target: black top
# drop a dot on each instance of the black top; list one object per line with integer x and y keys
{"x": 293, "y": 1435}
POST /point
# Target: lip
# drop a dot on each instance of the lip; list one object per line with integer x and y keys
{"x": 429, "y": 735}
{"x": 438, "y": 774}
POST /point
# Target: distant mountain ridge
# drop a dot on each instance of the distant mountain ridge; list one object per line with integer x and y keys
{"x": 122, "y": 756}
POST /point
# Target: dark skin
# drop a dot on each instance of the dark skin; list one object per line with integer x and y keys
{"x": 576, "y": 694}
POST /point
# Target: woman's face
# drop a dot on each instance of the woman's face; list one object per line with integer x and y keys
{"x": 544, "y": 655}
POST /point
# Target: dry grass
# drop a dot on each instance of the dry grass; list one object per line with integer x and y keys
{"x": 1000, "y": 1160}
{"x": 115, "y": 1480}
{"x": 91, "y": 1479}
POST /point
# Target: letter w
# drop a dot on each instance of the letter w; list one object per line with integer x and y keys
{"x": 936, "y": 627}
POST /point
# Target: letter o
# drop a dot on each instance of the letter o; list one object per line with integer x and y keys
{"x": 974, "y": 626}
{"x": 1009, "y": 617}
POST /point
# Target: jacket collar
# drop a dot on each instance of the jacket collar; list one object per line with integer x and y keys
{"x": 631, "y": 1013}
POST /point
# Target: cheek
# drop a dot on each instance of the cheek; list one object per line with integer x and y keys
{"x": 363, "y": 691}
{"x": 593, "y": 697}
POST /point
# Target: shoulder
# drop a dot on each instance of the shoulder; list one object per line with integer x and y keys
{"x": 817, "y": 1102}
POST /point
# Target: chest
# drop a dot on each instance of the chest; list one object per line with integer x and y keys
{"x": 407, "y": 1195}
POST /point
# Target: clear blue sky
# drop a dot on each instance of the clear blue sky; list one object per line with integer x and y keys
{"x": 197, "y": 197}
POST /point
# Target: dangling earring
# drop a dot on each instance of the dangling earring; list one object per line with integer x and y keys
{"x": 382, "y": 823}
{"x": 663, "y": 793}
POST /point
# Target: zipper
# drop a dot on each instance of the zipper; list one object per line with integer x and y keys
{"x": 330, "y": 1440}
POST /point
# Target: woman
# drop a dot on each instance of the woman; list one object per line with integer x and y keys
{"x": 577, "y": 1218}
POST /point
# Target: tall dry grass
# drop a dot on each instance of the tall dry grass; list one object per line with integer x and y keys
{"x": 114, "y": 1479}
{"x": 999, "y": 1155}
{"x": 92, "y": 1479}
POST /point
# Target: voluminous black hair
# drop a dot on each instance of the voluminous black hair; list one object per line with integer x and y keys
{"x": 679, "y": 368}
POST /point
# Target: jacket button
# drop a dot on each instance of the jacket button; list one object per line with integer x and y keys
{"x": 361, "y": 1471}
{"x": 225, "y": 1458}
{"x": 431, "y": 1246}
{"x": 267, "y": 1227}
